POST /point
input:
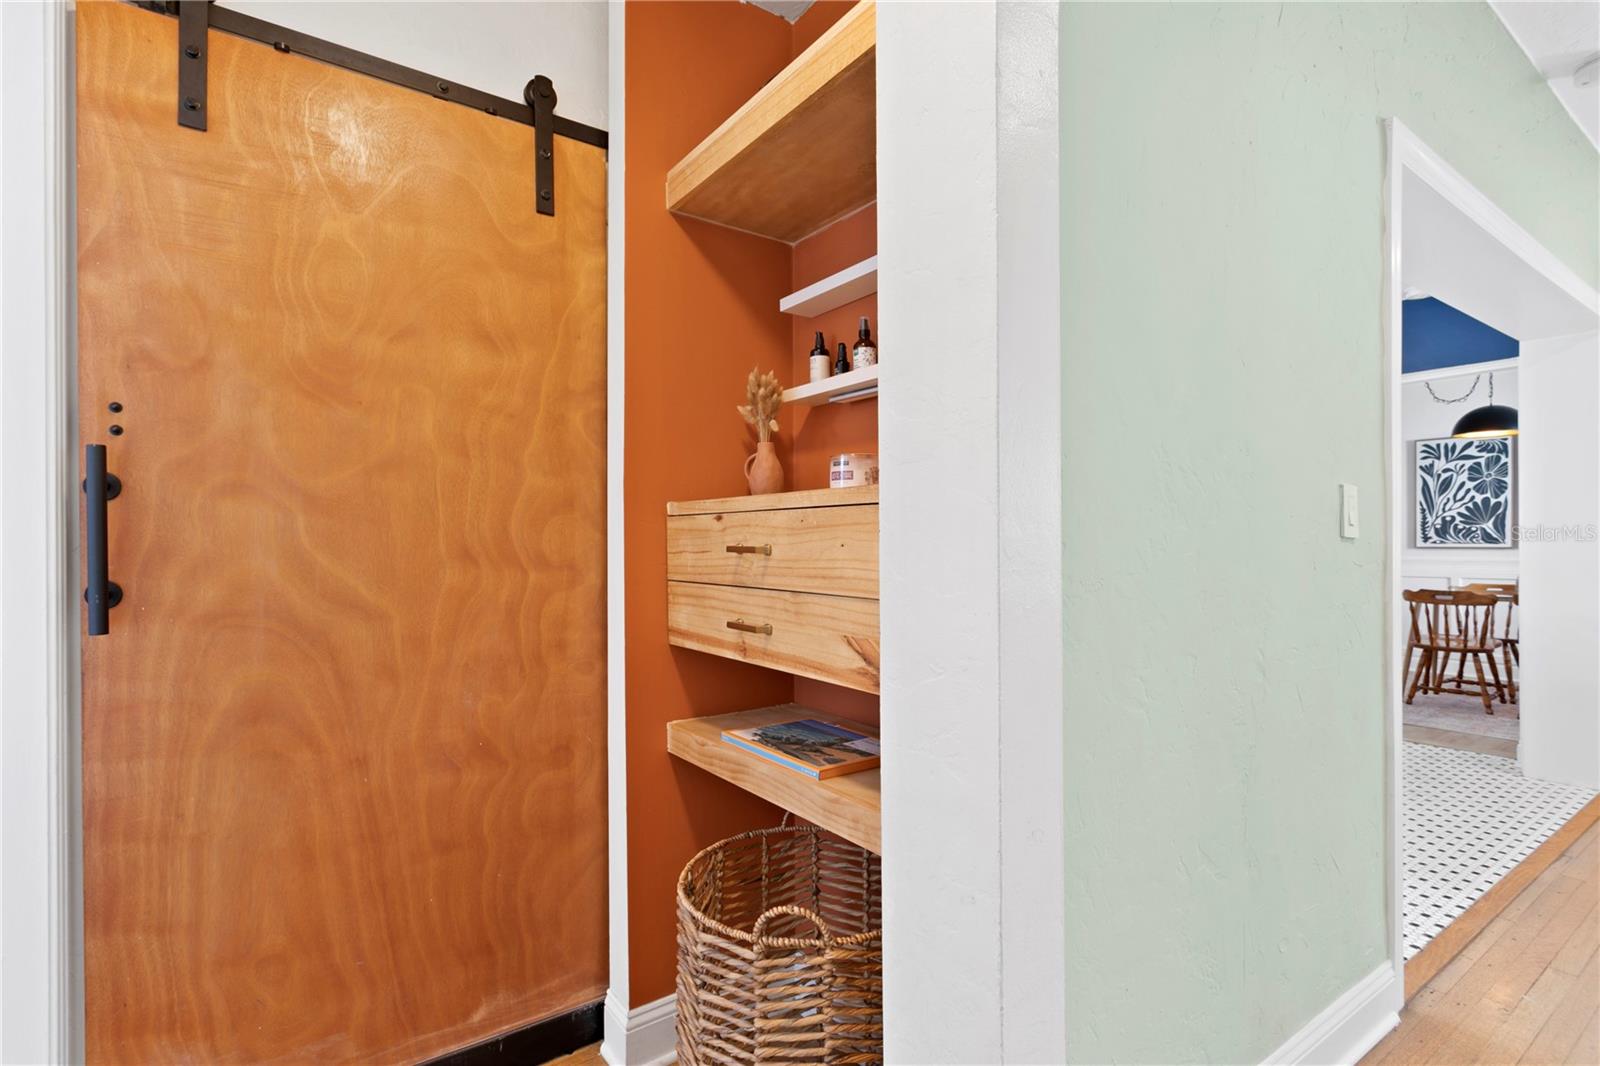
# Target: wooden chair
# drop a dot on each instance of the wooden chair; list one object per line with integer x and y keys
{"x": 1511, "y": 655}
{"x": 1454, "y": 622}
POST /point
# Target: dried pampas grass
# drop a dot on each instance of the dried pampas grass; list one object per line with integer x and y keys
{"x": 763, "y": 397}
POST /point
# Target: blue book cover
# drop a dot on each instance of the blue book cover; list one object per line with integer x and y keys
{"x": 811, "y": 746}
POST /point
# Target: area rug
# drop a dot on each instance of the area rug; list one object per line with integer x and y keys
{"x": 1469, "y": 818}
{"x": 1462, "y": 714}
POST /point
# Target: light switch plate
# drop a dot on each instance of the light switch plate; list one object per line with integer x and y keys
{"x": 1349, "y": 519}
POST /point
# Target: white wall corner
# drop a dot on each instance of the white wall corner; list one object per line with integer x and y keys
{"x": 1032, "y": 752}
{"x": 644, "y": 1036}
{"x": 1350, "y": 1026}
{"x": 1559, "y": 584}
{"x": 939, "y": 535}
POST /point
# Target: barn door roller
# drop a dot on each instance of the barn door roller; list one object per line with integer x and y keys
{"x": 197, "y": 17}
{"x": 541, "y": 96}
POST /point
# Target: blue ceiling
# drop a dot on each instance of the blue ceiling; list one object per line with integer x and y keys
{"x": 1434, "y": 335}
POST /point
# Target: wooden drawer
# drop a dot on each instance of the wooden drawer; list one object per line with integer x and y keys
{"x": 831, "y": 550}
{"x": 830, "y": 638}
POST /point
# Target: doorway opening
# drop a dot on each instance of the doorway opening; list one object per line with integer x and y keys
{"x": 1492, "y": 553}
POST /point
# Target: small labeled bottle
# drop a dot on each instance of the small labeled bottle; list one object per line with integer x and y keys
{"x": 821, "y": 366}
{"x": 842, "y": 364}
{"x": 866, "y": 353}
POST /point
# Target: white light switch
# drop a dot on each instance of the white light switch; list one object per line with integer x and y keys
{"x": 1349, "y": 520}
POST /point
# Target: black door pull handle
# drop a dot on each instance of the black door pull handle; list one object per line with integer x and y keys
{"x": 102, "y": 593}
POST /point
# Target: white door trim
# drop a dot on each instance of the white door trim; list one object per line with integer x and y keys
{"x": 1408, "y": 154}
{"x": 617, "y": 1012}
{"x": 1407, "y": 151}
{"x": 40, "y": 994}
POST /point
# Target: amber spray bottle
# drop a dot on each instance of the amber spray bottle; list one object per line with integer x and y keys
{"x": 866, "y": 353}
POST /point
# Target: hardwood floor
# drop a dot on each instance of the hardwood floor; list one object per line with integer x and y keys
{"x": 1526, "y": 989}
{"x": 1444, "y": 947}
{"x": 584, "y": 1056}
{"x": 1450, "y": 738}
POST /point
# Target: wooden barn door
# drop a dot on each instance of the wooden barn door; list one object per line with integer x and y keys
{"x": 344, "y": 748}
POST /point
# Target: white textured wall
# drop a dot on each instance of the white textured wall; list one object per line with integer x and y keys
{"x": 937, "y": 432}
{"x": 1560, "y": 590}
{"x": 496, "y": 47}
{"x": 1033, "y": 969}
{"x": 974, "y": 964}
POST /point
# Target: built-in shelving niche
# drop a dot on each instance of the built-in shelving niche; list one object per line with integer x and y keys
{"x": 802, "y": 152}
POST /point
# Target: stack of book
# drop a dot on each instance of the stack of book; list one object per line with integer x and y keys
{"x": 811, "y": 746}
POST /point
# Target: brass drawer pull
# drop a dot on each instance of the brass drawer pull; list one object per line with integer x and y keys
{"x": 746, "y": 627}
{"x": 750, "y": 549}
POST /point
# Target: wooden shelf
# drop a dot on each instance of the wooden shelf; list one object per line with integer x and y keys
{"x": 847, "y": 805}
{"x": 841, "y": 388}
{"x": 835, "y": 290}
{"x": 802, "y": 152}
{"x": 777, "y": 501}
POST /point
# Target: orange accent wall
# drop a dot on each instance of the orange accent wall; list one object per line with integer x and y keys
{"x": 818, "y": 17}
{"x": 817, "y": 434}
{"x": 701, "y": 309}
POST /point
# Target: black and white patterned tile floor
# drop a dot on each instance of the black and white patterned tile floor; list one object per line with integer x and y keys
{"x": 1469, "y": 819}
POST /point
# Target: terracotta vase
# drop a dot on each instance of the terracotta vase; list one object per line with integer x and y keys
{"x": 763, "y": 470}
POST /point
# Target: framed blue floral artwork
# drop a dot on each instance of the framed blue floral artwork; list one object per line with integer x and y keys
{"x": 1464, "y": 493}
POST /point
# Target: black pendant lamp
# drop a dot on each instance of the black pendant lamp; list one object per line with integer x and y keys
{"x": 1491, "y": 420}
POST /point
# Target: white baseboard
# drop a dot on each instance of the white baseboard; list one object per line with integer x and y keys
{"x": 643, "y": 1036}
{"x": 1350, "y": 1026}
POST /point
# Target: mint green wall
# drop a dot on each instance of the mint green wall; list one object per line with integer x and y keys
{"x": 1222, "y": 235}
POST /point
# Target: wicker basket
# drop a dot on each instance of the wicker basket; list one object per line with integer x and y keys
{"x": 780, "y": 951}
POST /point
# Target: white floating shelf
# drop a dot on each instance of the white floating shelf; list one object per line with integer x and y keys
{"x": 841, "y": 388}
{"x": 835, "y": 290}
